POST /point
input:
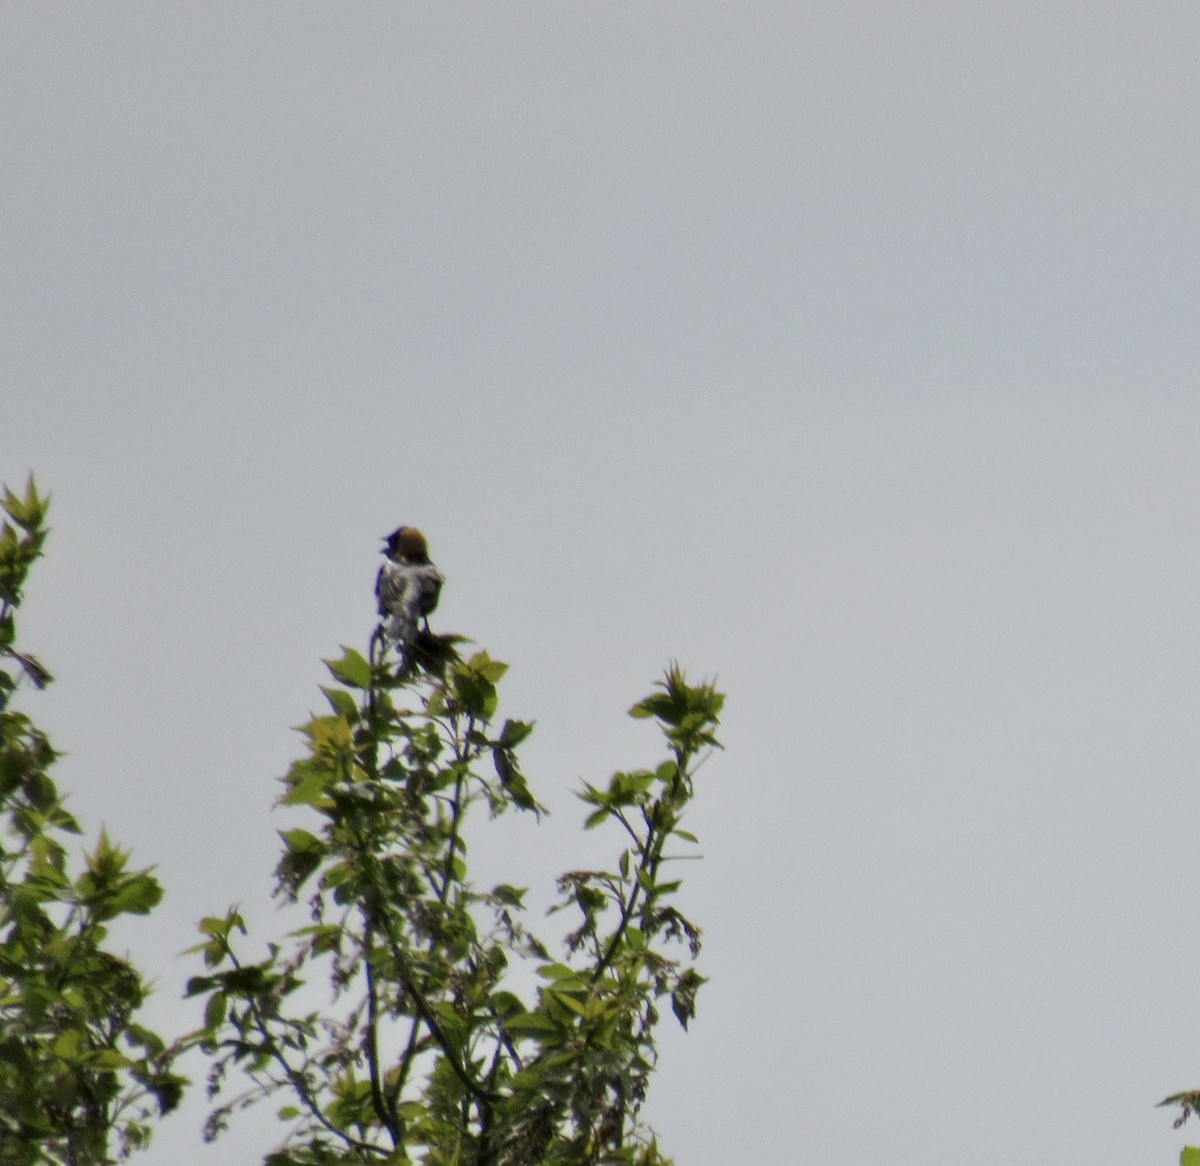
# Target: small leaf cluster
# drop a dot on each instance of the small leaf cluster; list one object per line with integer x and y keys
{"x": 1189, "y": 1104}
{"x": 22, "y": 538}
{"x": 80, "y": 1078}
{"x": 428, "y": 1045}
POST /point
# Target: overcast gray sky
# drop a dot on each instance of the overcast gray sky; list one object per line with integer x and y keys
{"x": 847, "y": 352}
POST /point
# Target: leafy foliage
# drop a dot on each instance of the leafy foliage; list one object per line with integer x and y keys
{"x": 429, "y": 1049}
{"x": 451, "y": 1034}
{"x": 77, "y": 1072}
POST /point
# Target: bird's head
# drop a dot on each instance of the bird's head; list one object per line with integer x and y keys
{"x": 407, "y": 542}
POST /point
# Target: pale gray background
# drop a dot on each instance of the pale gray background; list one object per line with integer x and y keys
{"x": 846, "y": 351}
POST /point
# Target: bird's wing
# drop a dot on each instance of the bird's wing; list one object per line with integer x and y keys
{"x": 391, "y": 588}
{"x": 428, "y": 588}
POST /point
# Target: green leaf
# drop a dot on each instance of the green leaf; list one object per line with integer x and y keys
{"x": 250, "y": 980}
{"x": 491, "y": 670}
{"x": 557, "y": 972}
{"x": 28, "y": 512}
{"x": 513, "y": 733}
{"x": 507, "y": 1004}
{"x": 475, "y": 692}
{"x": 198, "y": 984}
{"x": 67, "y": 1044}
{"x": 512, "y": 779}
{"x": 304, "y": 855}
{"x": 510, "y": 896}
{"x": 342, "y": 703}
{"x": 595, "y": 818}
{"x": 533, "y": 1024}
{"x": 324, "y": 936}
{"x": 300, "y": 841}
{"x": 570, "y": 1001}
{"x": 139, "y": 896}
{"x": 111, "y": 1059}
{"x": 312, "y": 791}
{"x": 219, "y": 927}
{"x": 1189, "y": 1156}
{"x": 352, "y": 669}
{"x": 215, "y": 1009}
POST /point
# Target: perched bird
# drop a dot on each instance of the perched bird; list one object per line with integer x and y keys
{"x": 408, "y": 586}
